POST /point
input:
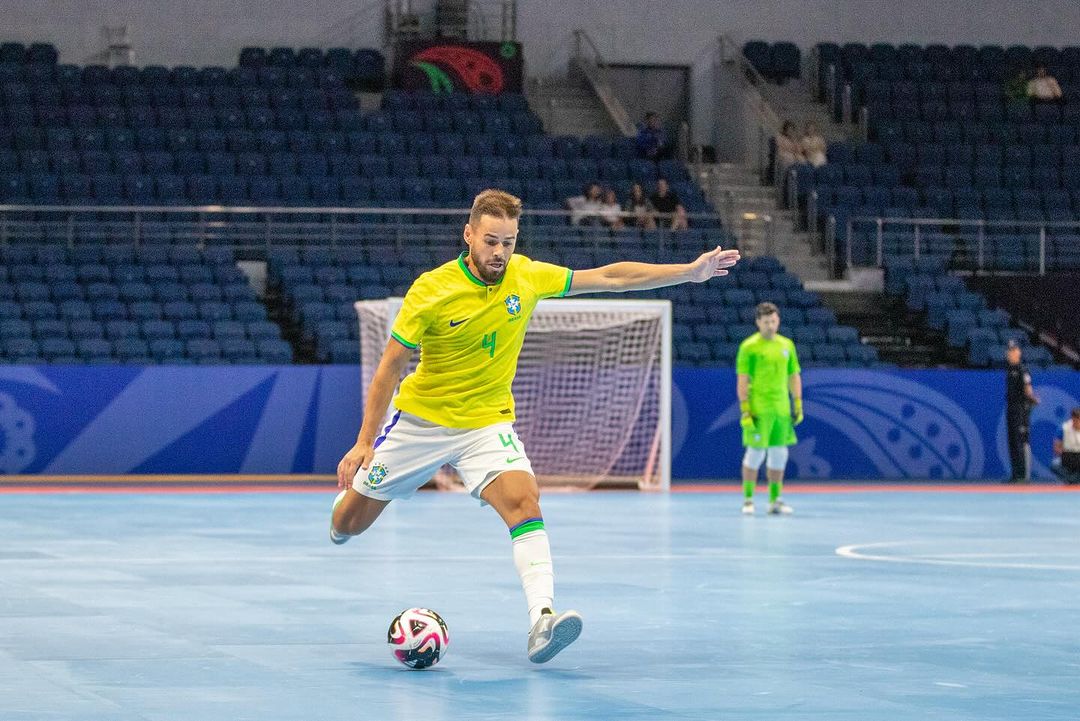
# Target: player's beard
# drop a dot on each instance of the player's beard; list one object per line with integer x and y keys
{"x": 485, "y": 272}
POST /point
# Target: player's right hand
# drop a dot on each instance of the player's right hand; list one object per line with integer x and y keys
{"x": 359, "y": 456}
{"x": 746, "y": 421}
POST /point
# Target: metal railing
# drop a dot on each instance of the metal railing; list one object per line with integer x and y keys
{"x": 965, "y": 240}
{"x": 595, "y": 69}
{"x": 255, "y": 231}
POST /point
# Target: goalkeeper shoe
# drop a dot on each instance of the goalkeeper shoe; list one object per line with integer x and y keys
{"x": 779, "y": 508}
{"x": 552, "y": 633}
{"x": 748, "y": 508}
{"x": 335, "y": 537}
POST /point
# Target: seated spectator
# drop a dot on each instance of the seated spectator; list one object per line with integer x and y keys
{"x": 639, "y": 212}
{"x": 1067, "y": 450}
{"x": 610, "y": 212}
{"x": 788, "y": 150}
{"x": 652, "y": 140}
{"x": 813, "y": 146}
{"x": 667, "y": 203}
{"x": 1043, "y": 88}
{"x": 585, "y": 208}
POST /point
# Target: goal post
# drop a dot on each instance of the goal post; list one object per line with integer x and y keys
{"x": 592, "y": 390}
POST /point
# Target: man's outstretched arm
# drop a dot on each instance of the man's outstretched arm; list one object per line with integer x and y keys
{"x": 621, "y": 277}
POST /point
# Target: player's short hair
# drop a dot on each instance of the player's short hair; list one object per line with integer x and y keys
{"x": 496, "y": 203}
{"x": 764, "y": 309}
{"x": 1075, "y": 413}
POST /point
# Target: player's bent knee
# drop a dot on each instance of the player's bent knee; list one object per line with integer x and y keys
{"x": 777, "y": 458}
{"x": 754, "y": 458}
{"x": 514, "y": 495}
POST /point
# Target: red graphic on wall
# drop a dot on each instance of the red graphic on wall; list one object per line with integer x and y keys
{"x": 446, "y": 67}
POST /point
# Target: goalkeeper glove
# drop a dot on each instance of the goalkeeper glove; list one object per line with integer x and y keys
{"x": 746, "y": 420}
{"x": 798, "y": 411}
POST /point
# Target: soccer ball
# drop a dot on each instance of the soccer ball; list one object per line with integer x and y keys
{"x": 418, "y": 637}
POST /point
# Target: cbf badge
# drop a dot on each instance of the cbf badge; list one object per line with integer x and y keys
{"x": 513, "y": 304}
{"x": 376, "y": 475}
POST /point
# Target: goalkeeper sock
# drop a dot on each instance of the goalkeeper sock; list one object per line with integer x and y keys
{"x": 532, "y": 557}
{"x": 775, "y": 488}
{"x": 748, "y": 489}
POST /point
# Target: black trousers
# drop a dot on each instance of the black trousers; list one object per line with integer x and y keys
{"x": 1069, "y": 470}
{"x": 1018, "y": 428}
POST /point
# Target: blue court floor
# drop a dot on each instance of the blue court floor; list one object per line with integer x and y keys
{"x": 861, "y": 607}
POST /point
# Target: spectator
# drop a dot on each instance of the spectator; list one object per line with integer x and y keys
{"x": 610, "y": 212}
{"x": 813, "y": 146}
{"x": 667, "y": 202}
{"x": 1043, "y": 88}
{"x": 585, "y": 208}
{"x": 638, "y": 210}
{"x": 1067, "y": 450}
{"x": 1016, "y": 87}
{"x": 788, "y": 149}
{"x": 652, "y": 140}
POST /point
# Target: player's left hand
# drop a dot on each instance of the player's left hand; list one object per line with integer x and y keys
{"x": 797, "y": 411}
{"x": 712, "y": 264}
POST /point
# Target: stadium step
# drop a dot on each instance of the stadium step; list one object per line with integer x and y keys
{"x": 567, "y": 106}
{"x": 751, "y": 211}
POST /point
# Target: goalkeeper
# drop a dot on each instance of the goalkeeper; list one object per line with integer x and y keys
{"x": 468, "y": 317}
{"x": 768, "y": 372}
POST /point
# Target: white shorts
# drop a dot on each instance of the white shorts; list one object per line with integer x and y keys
{"x": 410, "y": 450}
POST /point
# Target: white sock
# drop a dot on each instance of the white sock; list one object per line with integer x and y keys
{"x": 532, "y": 557}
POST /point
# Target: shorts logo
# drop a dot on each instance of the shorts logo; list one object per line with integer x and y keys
{"x": 376, "y": 475}
{"x": 513, "y": 304}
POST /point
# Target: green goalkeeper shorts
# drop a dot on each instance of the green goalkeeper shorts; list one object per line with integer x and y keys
{"x": 770, "y": 430}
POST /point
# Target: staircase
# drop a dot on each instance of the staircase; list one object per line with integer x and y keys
{"x": 569, "y": 106}
{"x": 793, "y": 101}
{"x": 753, "y": 214}
{"x": 886, "y": 324}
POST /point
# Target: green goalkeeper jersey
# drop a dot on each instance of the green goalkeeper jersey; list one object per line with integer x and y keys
{"x": 769, "y": 364}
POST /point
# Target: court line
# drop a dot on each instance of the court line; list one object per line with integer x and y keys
{"x": 855, "y": 552}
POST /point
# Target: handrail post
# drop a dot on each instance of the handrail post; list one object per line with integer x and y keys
{"x": 918, "y": 239}
{"x": 880, "y": 242}
{"x": 845, "y": 107}
{"x": 1042, "y": 250}
{"x": 982, "y": 243}
{"x": 850, "y": 232}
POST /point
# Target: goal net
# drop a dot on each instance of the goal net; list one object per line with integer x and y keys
{"x": 592, "y": 391}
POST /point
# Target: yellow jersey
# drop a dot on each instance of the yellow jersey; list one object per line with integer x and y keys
{"x": 470, "y": 336}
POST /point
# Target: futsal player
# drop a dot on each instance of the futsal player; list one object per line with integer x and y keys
{"x": 468, "y": 317}
{"x": 769, "y": 386}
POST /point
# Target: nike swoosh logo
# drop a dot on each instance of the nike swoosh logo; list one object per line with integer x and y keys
{"x": 455, "y": 323}
{"x": 515, "y": 458}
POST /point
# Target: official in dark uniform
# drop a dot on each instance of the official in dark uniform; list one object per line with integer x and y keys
{"x": 1019, "y": 400}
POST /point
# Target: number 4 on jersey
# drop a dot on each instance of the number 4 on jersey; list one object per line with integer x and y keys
{"x": 489, "y": 343}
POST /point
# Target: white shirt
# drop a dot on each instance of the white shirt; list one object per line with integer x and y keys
{"x": 1070, "y": 437}
{"x": 1045, "y": 88}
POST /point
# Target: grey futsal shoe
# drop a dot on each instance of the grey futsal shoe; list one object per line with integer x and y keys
{"x": 748, "y": 508}
{"x": 779, "y": 508}
{"x": 552, "y": 633}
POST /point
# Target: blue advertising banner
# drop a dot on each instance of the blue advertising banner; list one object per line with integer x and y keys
{"x": 860, "y": 424}
{"x": 868, "y": 424}
{"x": 177, "y": 419}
